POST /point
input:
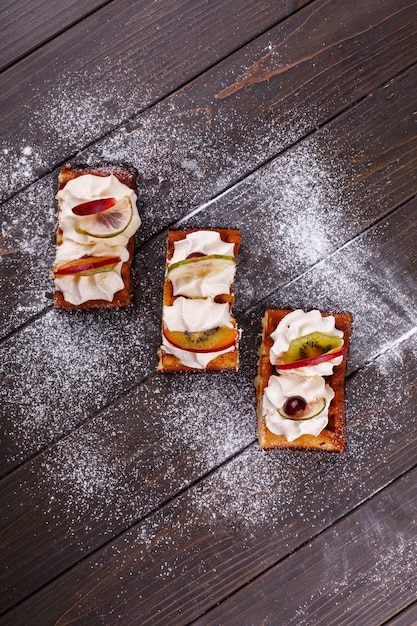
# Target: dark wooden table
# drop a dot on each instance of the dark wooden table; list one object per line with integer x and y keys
{"x": 132, "y": 497}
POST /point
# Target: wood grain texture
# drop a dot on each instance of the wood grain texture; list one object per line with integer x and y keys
{"x": 108, "y": 68}
{"x": 240, "y": 520}
{"x": 131, "y": 497}
{"x": 344, "y": 576}
{"x": 352, "y": 152}
{"x": 175, "y": 459}
{"x": 406, "y": 617}
{"x": 38, "y": 22}
{"x": 133, "y": 337}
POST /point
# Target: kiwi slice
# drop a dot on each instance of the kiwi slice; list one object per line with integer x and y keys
{"x": 310, "y": 346}
{"x": 312, "y": 410}
{"x": 211, "y": 340}
{"x": 200, "y": 266}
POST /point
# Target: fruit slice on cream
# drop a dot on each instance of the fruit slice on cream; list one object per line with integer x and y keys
{"x": 298, "y": 409}
{"x": 96, "y": 221}
{"x": 93, "y": 206}
{"x": 311, "y": 349}
{"x": 200, "y": 266}
{"x": 87, "y": 266}
{"x": 212, "y": 340}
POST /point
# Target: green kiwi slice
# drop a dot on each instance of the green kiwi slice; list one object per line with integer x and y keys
{"x": 310, "y": 346}
{"x": 200, "y": 267}
{"x": 211, "y": 340}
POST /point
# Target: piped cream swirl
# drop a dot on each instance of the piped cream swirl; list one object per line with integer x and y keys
{"x": 297, "y": 324}
{"x": 195, "y": 315}
{"x": 75, "y": 245}
{"x": 282, "y": 387}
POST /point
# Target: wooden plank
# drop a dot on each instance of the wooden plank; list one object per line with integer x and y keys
{"x": 342, "y": 175}
{"x": 405, "y": 618}
{"x": 61, "y": 348}
{"x": 360, "y": 571}
{"x": 179, "y": 152}
{"x": 109, "y": 67}
{"x": 38, "y": 22}
{"x": 243, "y": 518}
{"x": 157, "y": 440}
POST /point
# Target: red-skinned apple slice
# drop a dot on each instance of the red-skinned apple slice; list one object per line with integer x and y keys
{"x": 311, "y": 361}
{"x": 213, "y": 340}
{"x": 87, "y": 266}
{"x": 92, "y": 207}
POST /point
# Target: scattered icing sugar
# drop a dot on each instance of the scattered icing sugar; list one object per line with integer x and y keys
{"x": 105, "y": 466}
{"x": 65, "y": 118}
{"x": 301, "y": 180}
{"x": 110, "y": 470}
{"x": 387, "y": 563}
{"x": 97, "y": 475}
{"x": 27, "y": 250}
{"x": 261, "y": 488}
{"x": 69, "y": 366}
{"x": 184, "y": 154}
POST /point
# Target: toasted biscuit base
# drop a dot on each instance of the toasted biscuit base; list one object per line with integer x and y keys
{"x": 226, "y": 361}
{"x": 128, "y": 176}
{"x": 333, "y": 437}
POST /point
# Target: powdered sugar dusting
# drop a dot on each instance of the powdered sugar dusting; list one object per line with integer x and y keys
{"x": 67, "y": 367}
{"x": 184, "y": 154}
{"x": 351, "y": 280}
{"x": 64, "y": 118}
{"x": 386, "y": 564}
{"x": 104, "y": 469}
{"x": 27, "y": 250}
{"x": 19, "y": 165}
{"x": 292, "y": 213}
{"x": 262, "y": 502}
{"x": 272, "y": 482}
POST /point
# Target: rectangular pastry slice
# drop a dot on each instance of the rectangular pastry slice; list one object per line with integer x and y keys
{"x": 97, "y": 221}
{"x": 199, "y": 331}
{"x": 300, "y": 380}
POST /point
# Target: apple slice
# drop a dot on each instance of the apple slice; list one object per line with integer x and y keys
{"x": 87, "y": 265}
{"x": 107, "y": 222}
{"x": 200, "y": 266}
{"x": 212, "y": 340}
{"x": 312, "y": 409}
{"x": 311, "y": 361}
{"x": 94, "y": 206}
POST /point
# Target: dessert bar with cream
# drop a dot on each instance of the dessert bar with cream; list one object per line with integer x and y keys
{"x": 199, "y": 331}
{"x": 300, "y": 380}
{"x": 97, "y": 221}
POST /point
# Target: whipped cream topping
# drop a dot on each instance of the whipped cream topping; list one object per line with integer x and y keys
{"x": 193, "y": 280}
{"x": 89, "y": 187}
{"x": 102, "y": 285}
{"x": 282, "y": 387}
{"x": 195, "y": 315}
{"x": 297, "y": 324}
{"x": 205, "y": 241}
